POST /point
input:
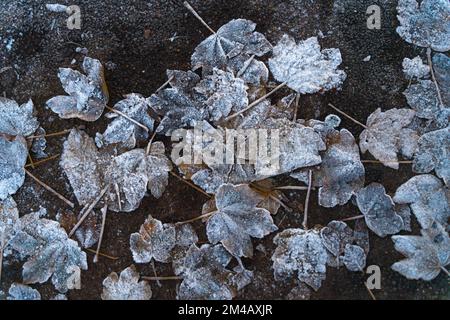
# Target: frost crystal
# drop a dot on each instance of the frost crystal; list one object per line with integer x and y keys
{"x": 126, "y": 287}
{"x": 426, "y": 255}
{"x": 123, "y": 131}
{"x": 88, "y": 94}
{"x": 302, "y": 252}
{"x": 433, "y": 154}
{"x": 304, "y": 67}
{"x": 17, "y": 120}
{"x": 23, "y": 292}
{"x": 387, "y": 134}
{"x": 50, "y": 253}
{"x": 425, "y": 25}
{"x": 237, "y": 219}
{"x": 13, "y": 157}
{"x": 423, "y": 98}
{"x": 237, "y": 37}
{"x": 428, "y": 199}
{"x": 415, "y": 68}
{"x": 379, "y": 211}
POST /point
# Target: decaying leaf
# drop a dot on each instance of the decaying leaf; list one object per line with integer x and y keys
{"x": 49, "y": 253}
{"x": 304, "y": 67}
{"x": 183, "y": 81}
{"x": 354, "y": 258}
{"x": 39, "y": 144}
{"x": 433, "y": 154}
{"x": 425, "y": 255}
{"x": 9, "y": 222}
{"x": 428, "y": 199}
{"x": 335, "y": 237}
{"x": 237, "y": 219}
{"x": 441, "y": 66}
{"x": 302, "y": 252}
{"x": 415, "y": 68}
{"x": 13, "y": 157}
{"x": 17, "y": 120}
{"x": 379, "y": 210}
{"x": 234, "y": 38}
{"x": 249, "y": 69}
{"x": 423, "y": 98}
{"x": 87, "y": 94}
{"x": 23, "y": 292}
{"x": 387, "y": 134}
{"x": 121, "y": 130}
{"x": 126, "y": 286}
{"x": 425, "y": 24}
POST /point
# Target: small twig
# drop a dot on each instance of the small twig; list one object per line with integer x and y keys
{"x": 189, "y": 7}
{"x": 102, "y": 254}
{"x": 54, "y": 134}
{"x": 297, "y": 98}
{"x": 203, "y": 216}
{"x": 348, "y": 116}
{"x": 433, "y": 76}
{"x": 308, "y": 193}
{"x": 49, "y": 189}
{"x": 256, "y": 102}
{"x": 245, "y": 67}
{"x": 281, "y": 203}
{"x": 353, "y": 218}
{"x": 370, "y": 291}
{"x": 37, "y": 163}
{"x": 149, "y": 145}
{"x": 155, "y": 274}
{"x": 120, "y": 113}
{"x": 190, "y": 184}
{"x": 161, "y": 278}
{"x": 445, "y": 271}
{"x": 31, "y": 160}
{"x": 165, "y": 84}
{"x": 104, "y": 210}
{"x": 2, "y": 247}
{"x": 119, "y": 201}
{"x": 379, "y": 162}
{"x": 88, "y": 210}
{"x": 292, "y": 188}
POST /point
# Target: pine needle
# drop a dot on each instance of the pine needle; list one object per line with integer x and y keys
{"x": 348, "y": 116}
{"x": 37, "y": 163}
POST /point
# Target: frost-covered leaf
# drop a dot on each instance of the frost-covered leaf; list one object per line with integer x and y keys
{"x": 441, "y": 66}
{"x": 415, "y": 68}
{"x": 237, "y": 37}
{"x": 87, "y": 93}
{"x": 126, "y": 286}
{"x": 123, "y": 131}
{"x": 13, "y": 157}
{"x": 9, "y": 221}
{"x": 423, "y": 98}
{"x": 387, "y": 134}
{"x": 249, "y": 69}
{"x": 433, "y": 154}
{"x": 425, "y": 24}
{"x": 354, "y": 258}
{"x": 237, "y": 219}
{"x": 221, "y": 93}
{"x": 379, "y": 210}
{"x": 302, "y": 252}
{"x": 361, "y": 235}
{"x": 304, "y": 67}
{"x": 336, "y": 236}
{"x": 17, "y": 120}
{"x": 425, "y": 254}
{"x": 39, "y": 144}
{"x": 49, "y": 253}
{"x": 427, "y": 197}
{"x": 23, "y": 292}
{"x": 183, "y": 81}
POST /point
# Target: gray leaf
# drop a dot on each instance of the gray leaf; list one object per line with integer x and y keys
{"x": 13, "y": 157}
{"x": 423, "y": 98}
{"x": 126, "y": 286}
{"x": 17, "y": 120}
{"x": 23, "y": 292}
{"x": 354, "y": 258}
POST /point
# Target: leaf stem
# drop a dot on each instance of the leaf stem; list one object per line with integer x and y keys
{"x": 120, "y": 113}
{"x": 37, "y": 163}
{"x": 102, "y": 254}
{"x": 189, "y": 7}
{"x": 245, "y": 66}
{"x": 348, "y": 116}
{"x": 102, "y": 230}
{"x": 203, "y": 216}
{"x": 433, "y": 76}
{"x": 161, "y": 278}
{"x": 308, "y": 193}
{"x": 48, "y": 135}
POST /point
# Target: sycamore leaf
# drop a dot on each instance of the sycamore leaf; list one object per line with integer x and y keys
{"x": 123, "y": 131}
{"x": 17, "y": 120}
{"x": 304, "y": 67}
{"x": 425, "y": 254}
{"x": 441, "y": 66}
{"x": 13, "y": 157}
{"x": 23, "y": 292}
{"x": 433, "y": 154}
{"x": 354, "y": 258}
{"x": 126, "y": 286}
{"x": 379, "y": 210}
{"x": 237, "y": 219}
{"x": 387, "y": 134}
{"x": 423, "y": 98}
{"x": 234, "y": 38}
{"x": 88, "y": 94}
{"x": 425, "y": 24}
{"x": 415, "y": 68}
{"x": 427, "y": 197}
{"x": 302, "y": 252}
{"x": 49, "y": 253}
{"x": 9, "y": 221}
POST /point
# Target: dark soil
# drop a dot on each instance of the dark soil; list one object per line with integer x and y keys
{"x": 133, "y": 38}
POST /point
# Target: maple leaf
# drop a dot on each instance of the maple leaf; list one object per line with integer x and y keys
{"x": 432, "y": 154}
{"x": 387, "y": 133}
{"x": 427, "y": 197}
{"x": 17, "y": 120}
{"x": 49, "y": 253}
{"x": 232, "y": 39}
{"x": 22, "y": 292}
{"x": 88, "y": 94}
{"x": 302, "y": 252}
{"x": 426, "y": 255}
{"x": 425, "y": 25}
{"x": 126, "y": 286}
{"x": 379, "y": 210}
{"x": 237, "y": 219}
{"x": 13, "y": 157}
{"x": 123, "y": 131}
{"x": 304, "y": 67}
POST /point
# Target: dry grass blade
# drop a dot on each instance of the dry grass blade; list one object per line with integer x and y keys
{"x": 165, "y": 84}
{"x": 433, "y": 76}
{"x": 48, "y": 135}
{"x": 120, "y": 113}
{"x": 102, "y": 230}
{"x": 353, "y": 218}
{"x": 189, "y": 7}
{"x": 102, "y": 254}
{"x": 347, "y": 115}
{"x": 308, "y": 194}
{"x": 161, "y": 278}
{"x": 190, "y": 184}
{"x": 37, "y": 163}
{"x": 203, "y": 216}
